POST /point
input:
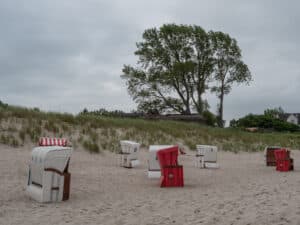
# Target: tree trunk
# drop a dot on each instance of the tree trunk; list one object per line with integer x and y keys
{"x": 187, "y": 111}
{"x": 220, "y": 116}
{"x": 200, "y": 105}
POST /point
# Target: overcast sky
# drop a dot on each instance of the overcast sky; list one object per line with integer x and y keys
{"x": 65, "y": 55}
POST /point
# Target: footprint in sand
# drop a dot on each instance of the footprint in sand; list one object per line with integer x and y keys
{"x": 221, "y": 206}
{"x": 197, "y": 211}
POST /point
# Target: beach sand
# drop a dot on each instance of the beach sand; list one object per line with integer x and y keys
{"x": 242, "y": 191}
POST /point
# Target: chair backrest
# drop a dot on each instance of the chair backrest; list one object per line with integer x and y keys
{"x": 129, "y": 146}
{"x": 272, "y": 148}
{"x": 153, "y": 162}
{"x": 209, "y": 152}
{"x": 282, "y": 154}
{"x": 270, "y": 153}
{"x": 202, "y": 149}
{"x": 49, "y": 157}
{"x": 168, "y": 156}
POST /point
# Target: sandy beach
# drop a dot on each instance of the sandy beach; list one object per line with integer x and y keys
{"x": 243, "y": 191}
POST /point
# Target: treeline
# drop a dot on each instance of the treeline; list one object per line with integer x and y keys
{"x": 272, "y": 119}
{"x": 111, "y": 113}
{"x": 208, "y": 119}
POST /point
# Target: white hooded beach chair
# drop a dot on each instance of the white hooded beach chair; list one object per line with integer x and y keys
{"x": 129, "y": 154}
{"x": 153, "y": 163}
{"x": 206, "y": 156}
{"x": 48, "y": 178}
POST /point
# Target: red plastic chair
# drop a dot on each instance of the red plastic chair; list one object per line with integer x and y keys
{"x": 168, "y": 156}
{"x": 283, "y": 161}
{"x": 281, "y": 154}
{"x": 171, "y": 172}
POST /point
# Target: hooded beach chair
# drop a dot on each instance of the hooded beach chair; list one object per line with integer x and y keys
{"x": 171, "y": 171}
{"x": 206, "y": 156}
{"x": 284, "y": 162}
{"x": 129, "y": 154}
{"x": 48, "y": 177}
{"x": 270, "y": 155}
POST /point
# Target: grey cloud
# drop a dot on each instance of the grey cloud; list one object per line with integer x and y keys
{"x": 64, "y": 55}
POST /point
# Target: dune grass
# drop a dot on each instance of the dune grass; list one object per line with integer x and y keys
{"x": 95, "y": 133}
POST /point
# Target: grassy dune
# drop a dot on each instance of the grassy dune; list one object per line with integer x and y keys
{"x": 20, "y": 126}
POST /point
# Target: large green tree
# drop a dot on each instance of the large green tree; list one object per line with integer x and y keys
{"x": 228, "y": 68}
{"x": 274, "y": 113}
{"x": 175, "y": 63}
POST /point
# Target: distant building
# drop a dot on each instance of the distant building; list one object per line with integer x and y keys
{"x": 292, "y": 118}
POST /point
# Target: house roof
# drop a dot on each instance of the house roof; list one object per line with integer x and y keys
{"x": 295, "y": 114}
{"x": 286, "y": 115}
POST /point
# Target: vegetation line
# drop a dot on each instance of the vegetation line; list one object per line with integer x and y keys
{"x": 20, "y": 126}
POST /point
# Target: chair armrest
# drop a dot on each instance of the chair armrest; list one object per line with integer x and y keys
{"x": 54, "y": 170}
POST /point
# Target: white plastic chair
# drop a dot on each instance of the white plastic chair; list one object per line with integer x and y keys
{"x": 206, "y": 156}
{"x": 48, "y": 178}
{"x": 129, "y": 154}
{"x": 153, "y": 164}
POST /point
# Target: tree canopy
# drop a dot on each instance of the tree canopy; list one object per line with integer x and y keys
{"x": 229, "y": 68}
{"x": 176, "y": 64}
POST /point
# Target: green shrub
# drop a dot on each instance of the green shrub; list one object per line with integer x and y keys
{"x": 65, "y": 127}
{"x": 9, "y": 140}
{"x": 22, "y": 135}
{"x": 12, "y": 129}
{"x": 34, "y": 132}
{"x": 4, "y": 139}
{"x": 80, "y": 139}
{"x": 104, "y": 145}
{"x": 14, "y": 142}
{"x": 94, "y": 136}
{"x": 51, "y": 126}
{"x": 91, "y": 146}
{"x": 265, "y": 122}
{"x": 210, "y": 118}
